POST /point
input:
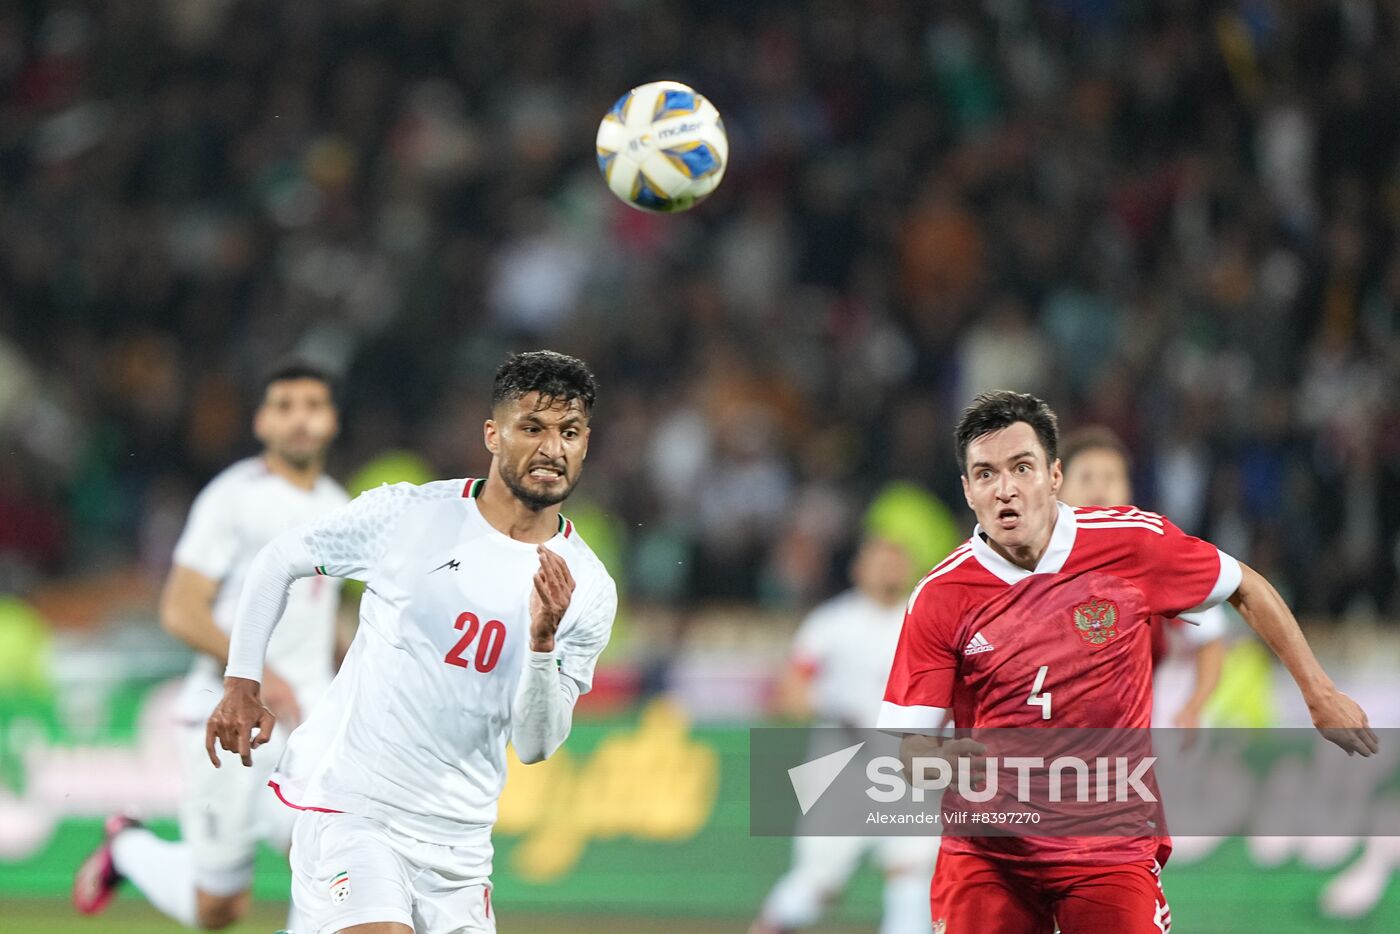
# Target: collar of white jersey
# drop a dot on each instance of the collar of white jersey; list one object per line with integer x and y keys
{"x": 471, "y": 489}
{"x": 1052, "y": 562}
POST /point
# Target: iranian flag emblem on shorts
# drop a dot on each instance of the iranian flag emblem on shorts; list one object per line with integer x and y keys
{"x": 340, "y": 887}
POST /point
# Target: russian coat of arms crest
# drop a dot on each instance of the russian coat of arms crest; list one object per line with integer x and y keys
{"x": 1096, "y": 621}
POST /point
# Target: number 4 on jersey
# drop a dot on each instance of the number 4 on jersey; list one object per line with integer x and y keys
{"x": 488, "y": 650}
{"x": 1038, "y": 699}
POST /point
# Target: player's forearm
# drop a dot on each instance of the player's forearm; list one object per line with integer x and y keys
{"x": 544, "y": 706}
{"x": 1264, "y": 610}
{"x": 193, "y": 624}
{"x": 1210, "y": 660}
{"x": 794, "y": 695}
{"x": 261, "y": 604}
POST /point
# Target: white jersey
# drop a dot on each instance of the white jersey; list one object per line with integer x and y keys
{"x": 241, "y": 510}
{"x": 847, "y": 644}
{"x": 414, "y": 728}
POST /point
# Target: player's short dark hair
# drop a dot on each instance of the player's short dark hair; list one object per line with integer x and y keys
{"x": 1093, "y": 438}
{"x": 295, "y": 369}
{"x": 993, "y": 411}
{"x": 555, "y": 376}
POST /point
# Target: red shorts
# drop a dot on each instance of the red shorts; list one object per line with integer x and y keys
{"x": 975, "y": 894}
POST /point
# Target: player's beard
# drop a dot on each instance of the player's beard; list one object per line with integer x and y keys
{"x": 302, "y": 458}
{"x": 535, "y": 499}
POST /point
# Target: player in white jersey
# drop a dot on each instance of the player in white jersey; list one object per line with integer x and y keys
{"x": 204, "y": 879}
{"x": 1096, "y": 466}
{"x": 482, "y": 620}
{"x": 840, "y": 662}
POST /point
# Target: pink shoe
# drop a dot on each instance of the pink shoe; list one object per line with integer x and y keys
{"x": 97, "y": 878}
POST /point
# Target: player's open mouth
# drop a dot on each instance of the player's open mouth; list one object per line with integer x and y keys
{"x": 547, "y": 474}
{"x": 1008, "y": 517}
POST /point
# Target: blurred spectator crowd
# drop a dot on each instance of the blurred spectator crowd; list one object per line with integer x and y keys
{"x": 1176, "y": 219}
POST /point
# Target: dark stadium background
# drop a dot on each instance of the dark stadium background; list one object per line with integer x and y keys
{"x": 1177, "y": 219}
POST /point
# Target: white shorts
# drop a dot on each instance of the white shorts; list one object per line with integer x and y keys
{"x": 226, "y": 811}
{"x": 349, "y": 870}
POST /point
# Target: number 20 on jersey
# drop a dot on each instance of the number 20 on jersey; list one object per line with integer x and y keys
{"x": 488, "y": 647}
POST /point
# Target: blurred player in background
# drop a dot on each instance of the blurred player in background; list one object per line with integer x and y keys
{"x": 840, "y": 660}
{"x": 1041, "y": 620}
{"x": 204, "y": 879}
{"x": 482, "y": 621}
{"x": 1096, "y": 466}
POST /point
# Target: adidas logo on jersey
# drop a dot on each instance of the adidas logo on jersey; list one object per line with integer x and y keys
{"x": 978, "y": 644}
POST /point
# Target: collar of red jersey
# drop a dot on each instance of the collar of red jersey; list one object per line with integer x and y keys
{"x": 1052, "y": 562}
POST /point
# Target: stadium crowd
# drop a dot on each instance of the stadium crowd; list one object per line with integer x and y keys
{"x": 1179, "y": 220}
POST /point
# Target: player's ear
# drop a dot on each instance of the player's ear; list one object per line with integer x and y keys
{"x": 492, "y": 436}
{"x": 1057, "y": 476}
{"x": 260, "y": 424}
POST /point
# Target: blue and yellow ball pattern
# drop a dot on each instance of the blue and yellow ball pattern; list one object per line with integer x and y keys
{"x": 662, "y": 147}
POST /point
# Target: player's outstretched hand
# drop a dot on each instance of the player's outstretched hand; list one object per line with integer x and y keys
{"x": 915, "y": 747}
{"x": 554, "y": 588}
{"x": 233, "y": 721}
{"x": 1342, "y": 721}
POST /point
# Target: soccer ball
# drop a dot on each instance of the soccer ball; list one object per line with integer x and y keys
{"x": 662, "y": 147}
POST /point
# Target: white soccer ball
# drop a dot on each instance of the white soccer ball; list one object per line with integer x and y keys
{"x": 662, "y": 147}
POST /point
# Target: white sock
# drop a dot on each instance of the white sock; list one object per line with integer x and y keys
{"x": 906, "y": 904}
{"x": 795, "y": 902}
{"x": 160, "y": 869}
{"x": 1355, "y": 892}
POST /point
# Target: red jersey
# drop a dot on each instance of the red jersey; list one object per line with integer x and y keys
{"x": 1157, "y": 627}
{"x": 1065, "y": 645}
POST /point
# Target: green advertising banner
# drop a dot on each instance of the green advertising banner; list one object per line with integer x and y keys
{"x": 646, "y": 815}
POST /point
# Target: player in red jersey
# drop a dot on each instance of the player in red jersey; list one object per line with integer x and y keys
{"x": 1096, "y": 466}
{"x": 1041, "y": 620}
